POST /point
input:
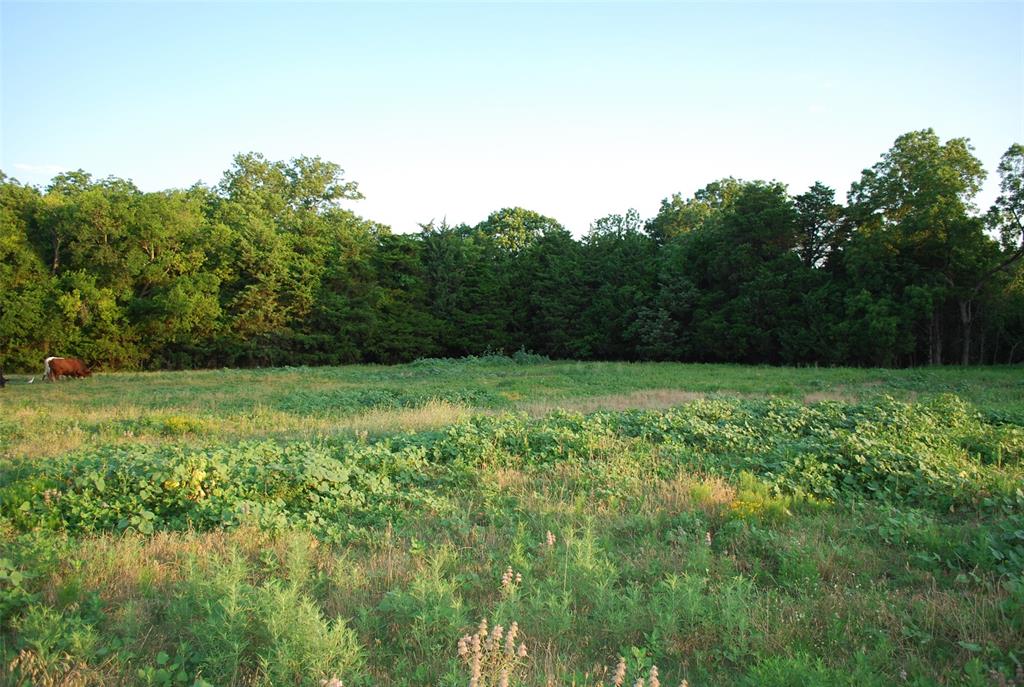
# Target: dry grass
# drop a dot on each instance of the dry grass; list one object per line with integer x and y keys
{"x": 40, "y": 435}
{"x": 836, "y": 395}
{"x": 687, "y": 492}
{"x": 432, "y": 415}
{"x": 647, "y": 398}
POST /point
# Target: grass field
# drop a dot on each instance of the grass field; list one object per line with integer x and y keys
{"x": 730, "y": 525}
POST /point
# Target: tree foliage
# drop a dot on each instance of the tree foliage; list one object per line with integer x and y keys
{"x": 271, "y": 266}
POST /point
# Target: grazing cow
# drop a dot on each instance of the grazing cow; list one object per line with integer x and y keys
{"x": 54, "y": 368}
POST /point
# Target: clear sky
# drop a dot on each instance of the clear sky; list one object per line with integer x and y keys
{"x": 455, "y": 110}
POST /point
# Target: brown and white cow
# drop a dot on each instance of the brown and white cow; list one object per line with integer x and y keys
{"x": 54, "y": 368}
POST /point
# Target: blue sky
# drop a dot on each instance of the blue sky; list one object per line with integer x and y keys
{"x": 574, "y": 110}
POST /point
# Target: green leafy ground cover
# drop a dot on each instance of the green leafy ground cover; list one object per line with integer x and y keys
{"x": 803, "y": 527}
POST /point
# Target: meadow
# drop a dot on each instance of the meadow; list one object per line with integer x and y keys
{"x": 391, "y": 525}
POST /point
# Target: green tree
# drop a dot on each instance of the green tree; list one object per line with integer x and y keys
{"x": 28, "y": 330}
{"x": 678, "y": 215}
{"x": 404, "y": 328}
{"x": 918, "y": 201}
{"x": 274, "y": 214}
{"x": 513, "y": 229}
{"x": 619, "y": 272}
{"x": 820, "y": 222}
{"x": 551, "y": 295}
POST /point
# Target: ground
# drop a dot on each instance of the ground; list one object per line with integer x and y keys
{"x": 728, "y": 524}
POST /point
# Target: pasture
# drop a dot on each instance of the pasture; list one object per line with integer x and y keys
{"x": 727, "y": 524}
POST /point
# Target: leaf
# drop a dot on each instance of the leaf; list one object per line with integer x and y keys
{"x": 970, "y": 646}
{"x": 162, "y": 658}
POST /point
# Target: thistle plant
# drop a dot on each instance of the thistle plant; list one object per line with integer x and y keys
{"x": 492, "y": 656}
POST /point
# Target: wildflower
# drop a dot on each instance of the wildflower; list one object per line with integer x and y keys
{"x": 620, "y": 673}
{"x": 653, "y": 679}
{"x": 493, "y": 641}
{"x": 707, "y": 538}
{"x": 474, "y": 678}
{"x": 510, "y": 579}
{"x": 333, "y": 682}
{"x": 482, "y": 653}
{"x": 550, "y": 540}
{"x": 684, "y": 683}
{"x": 639, "y": 682}
{"x": 510, "y": 638}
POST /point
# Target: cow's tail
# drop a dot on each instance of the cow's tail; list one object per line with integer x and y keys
{"x": 46, "y": 368}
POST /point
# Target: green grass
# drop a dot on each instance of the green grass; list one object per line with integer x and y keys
{"x": 311, "y": 403}
{"x": 730, "y": 525}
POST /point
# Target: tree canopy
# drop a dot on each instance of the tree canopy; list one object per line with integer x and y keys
{"x": 272, "y": 266}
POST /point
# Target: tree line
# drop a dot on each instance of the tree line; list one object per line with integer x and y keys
{"x": 268, "y": 267}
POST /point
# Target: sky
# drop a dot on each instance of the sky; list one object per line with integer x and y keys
{"x": 455, "y": 110}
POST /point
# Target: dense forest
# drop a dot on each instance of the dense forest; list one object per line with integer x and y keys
{"x": 269, "y": 267}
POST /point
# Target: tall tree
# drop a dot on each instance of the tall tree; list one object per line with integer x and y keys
{"x": 918, "y": 200}
{"x": 819, "y": 224}
{"x": 619, "y": 271}
{"x": 513, "y": 229}
{"x": 678, "y": 215}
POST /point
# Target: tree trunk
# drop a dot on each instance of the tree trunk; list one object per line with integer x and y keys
{"x": 935, "y": 339}
{"x": 56, "y": 253}
{"x": 966, "y": 319}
